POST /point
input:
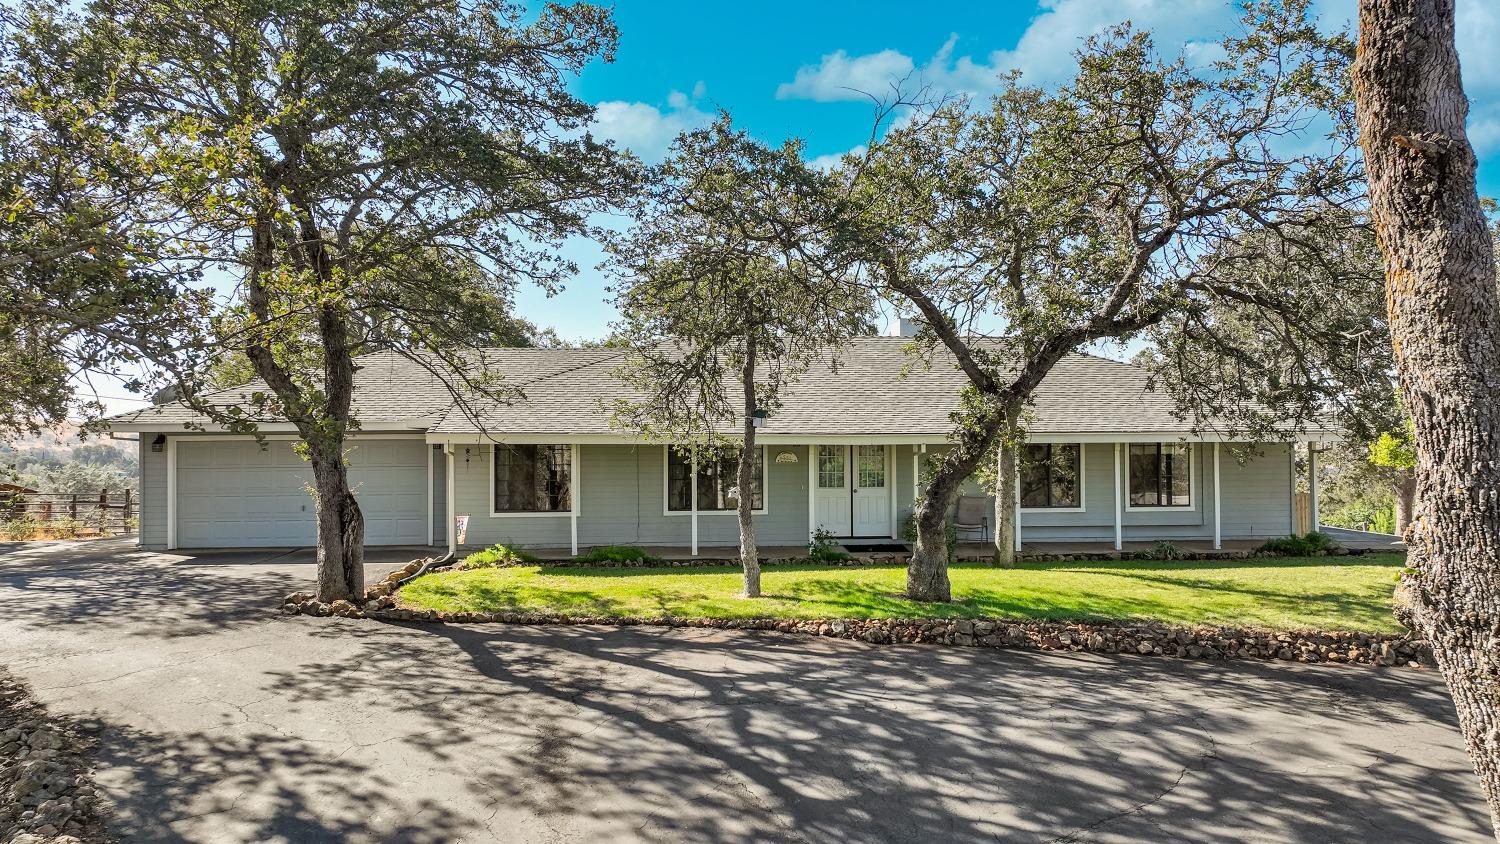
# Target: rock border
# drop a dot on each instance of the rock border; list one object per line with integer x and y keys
{"x": 46, "y": 781}
{"x": 1208, "y": 642}
{"x": 900, "y": 558}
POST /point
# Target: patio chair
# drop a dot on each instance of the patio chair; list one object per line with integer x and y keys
{"x": 973, "y": 514}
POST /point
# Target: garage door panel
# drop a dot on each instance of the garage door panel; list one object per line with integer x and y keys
{"x": 234, "y": 494}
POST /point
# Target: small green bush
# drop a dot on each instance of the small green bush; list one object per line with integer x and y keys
{"x": 616, "y": 554}
{"x": 1310, "y": 544}
{"x": 21, "y": 527}
{"x": 495, "y": 556}
{"x": 824, "y": 548}
{"x": 1162, "y": 550}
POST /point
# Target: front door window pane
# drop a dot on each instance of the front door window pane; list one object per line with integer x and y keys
{"x": 830, "y": 467}
{"x": 871, "y": 466}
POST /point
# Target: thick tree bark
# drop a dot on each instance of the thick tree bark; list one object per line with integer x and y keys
{"x": 1005, "y": 506}
{"x": 927, "y": 571}
{"x": 1440, "y": 290}
{"x": 341, "y": 526}
{"x": 745, "y": 480}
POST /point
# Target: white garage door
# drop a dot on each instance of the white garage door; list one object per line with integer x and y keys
{"x": 232, "y": 494}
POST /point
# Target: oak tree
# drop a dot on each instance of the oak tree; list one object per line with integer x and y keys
{"x": 368, "y": 175}
{"x": 1125, "y": 201}
{"x": 728, "y": 293}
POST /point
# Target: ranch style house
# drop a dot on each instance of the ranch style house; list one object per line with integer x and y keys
{"x": 1107, "y": 462}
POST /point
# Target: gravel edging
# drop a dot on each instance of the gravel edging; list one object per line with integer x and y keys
{"x": 1144, "y": 638}
{"x": 46, "y": 774}
{"x": 878, "y": 558}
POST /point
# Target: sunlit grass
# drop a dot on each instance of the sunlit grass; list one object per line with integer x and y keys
{"x": 1331, "y": 593}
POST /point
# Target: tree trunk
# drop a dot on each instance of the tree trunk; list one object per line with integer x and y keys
{"x": 745, "y": 480}
{"x": 927, "y": 572}
{"x": 1440, "y": 290}
{"x": 1005, "y": 506}
{"x": 341, "y": 526}
{"x": 1405, "y": 490}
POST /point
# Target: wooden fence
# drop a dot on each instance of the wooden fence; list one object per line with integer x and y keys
{"x": 1302, "y": 513}
{"x": 105, "y": 514}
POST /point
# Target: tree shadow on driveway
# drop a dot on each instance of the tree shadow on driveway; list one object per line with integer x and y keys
{"x": 711, "y": 735}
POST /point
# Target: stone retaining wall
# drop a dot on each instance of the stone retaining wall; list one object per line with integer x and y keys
{"x": 1146, "y": 638}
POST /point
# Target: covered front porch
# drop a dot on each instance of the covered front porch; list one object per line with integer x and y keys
{"x": 1099, "y": 496}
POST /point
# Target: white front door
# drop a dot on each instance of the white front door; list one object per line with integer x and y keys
{"x": 831, "y": 489}
{"x": 872, "y": 495}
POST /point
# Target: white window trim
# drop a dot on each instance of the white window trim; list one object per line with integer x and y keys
{"x": 765, "y": 492}
{"x": 1192, "y": 504}
{"x": 546, "y": 514}
{"x": 1083, "y": 500}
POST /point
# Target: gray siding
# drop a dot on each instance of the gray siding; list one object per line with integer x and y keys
{"x": 153, "y": 518}
{"x": 623, "y": 497}
{"x": 1255, "y": 493}
{"x": 623, "y": 502}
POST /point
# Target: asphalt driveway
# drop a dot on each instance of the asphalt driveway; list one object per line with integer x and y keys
{"x": 222, "y": 720}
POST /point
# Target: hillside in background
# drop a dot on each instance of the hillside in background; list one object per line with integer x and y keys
{"x": 57, "y": 460}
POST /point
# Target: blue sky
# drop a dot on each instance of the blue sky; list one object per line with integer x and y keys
{"x": 785, "y": 69}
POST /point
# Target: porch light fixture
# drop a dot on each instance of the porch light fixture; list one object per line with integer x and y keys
{"x": 758, "y": 418}
{"x": 159, "y": 443}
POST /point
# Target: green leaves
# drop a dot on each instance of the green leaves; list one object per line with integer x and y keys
{"x": 731, "y": 258}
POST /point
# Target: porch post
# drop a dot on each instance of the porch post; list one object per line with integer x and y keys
{"x": 452, "y": 531}
{"x": 1312, "y": 483}
{"x": 890, "y": 486}
{"x": 1218, "y": 533}
{"x": 171, "y": 493}
{"x": 1015, "y": 469}
{"x": 1119, "y": 504}
{"x": 431, "y": 532}
{"x": 576, "y": 493}
{"x": 693, "y": 490}
{"x": 812, "y": 491}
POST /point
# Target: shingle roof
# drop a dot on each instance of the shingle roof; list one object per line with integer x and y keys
{"x": 877, "y": 388}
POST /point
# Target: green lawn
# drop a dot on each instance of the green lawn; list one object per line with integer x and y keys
{"x": 1330, "y": 593}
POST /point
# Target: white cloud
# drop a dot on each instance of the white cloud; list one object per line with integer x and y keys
{"x": 1043, "y": 54}
{"x": 838, "y": 77}
{"x": 645, "y": 129}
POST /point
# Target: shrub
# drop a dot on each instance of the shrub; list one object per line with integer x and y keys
{"x": 909, "y": 534}
{"x": 616, "y": 554}
{"x": 1162, "y": 550}
{"x": 496, "y": 556}
{"x": 1310, "y": 544}
{"x": 21, "y": 527}
{"x": 823, "y": 548}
